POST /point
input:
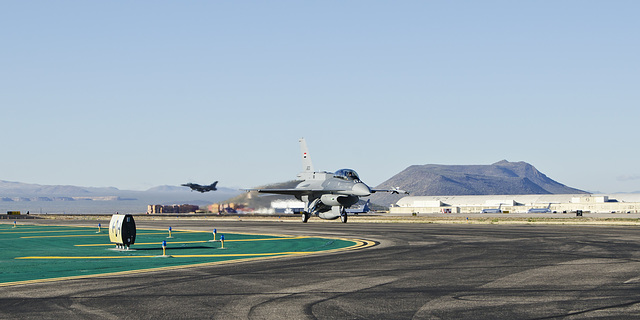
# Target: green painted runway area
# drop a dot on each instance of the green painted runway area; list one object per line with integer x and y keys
{"x": 33, "y": 253}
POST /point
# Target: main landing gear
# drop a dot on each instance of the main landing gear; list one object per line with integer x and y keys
{"x": 343, "y": 215}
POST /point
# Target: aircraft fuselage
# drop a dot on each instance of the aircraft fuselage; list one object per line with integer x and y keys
{"x": 326, "y": 194}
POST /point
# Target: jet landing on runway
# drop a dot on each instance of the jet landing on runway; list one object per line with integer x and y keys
{"x": 326, "y": 195}
{"x": 202, "y": 189}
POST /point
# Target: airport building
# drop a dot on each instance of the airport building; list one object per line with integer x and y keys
{"x": 615, "y": 203}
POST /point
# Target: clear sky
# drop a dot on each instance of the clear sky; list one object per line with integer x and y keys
{"x": 135, "y": 94}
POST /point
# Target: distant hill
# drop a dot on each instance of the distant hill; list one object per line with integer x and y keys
{"x": 19, "y": 188}
{"x": 502, "y": 177}
{"x": 25, "y": 197}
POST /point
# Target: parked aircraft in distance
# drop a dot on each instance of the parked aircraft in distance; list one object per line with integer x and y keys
{"x": 364, "y": 209}
{"x": 541, "y": 210}
{"x": 499, "y": 210}
{"x": 199, "y": 188}
{"x": 397, "y": 190}
{"x": 326, "y": 194}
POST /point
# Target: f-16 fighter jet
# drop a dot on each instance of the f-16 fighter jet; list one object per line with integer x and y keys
{"x": 326, "y": 195}
{"x": 199, "y": 188}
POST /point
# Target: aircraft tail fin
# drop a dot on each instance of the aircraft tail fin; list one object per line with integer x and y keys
{"x": 366, "y": 206}
{"x": 307, "y": 165}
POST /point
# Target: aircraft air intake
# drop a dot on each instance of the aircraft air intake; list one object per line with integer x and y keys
{"x": 338, "y": 200}
{"x": 361, "y": 190}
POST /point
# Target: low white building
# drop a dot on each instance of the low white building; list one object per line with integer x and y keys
{"x": 615, "y": 203}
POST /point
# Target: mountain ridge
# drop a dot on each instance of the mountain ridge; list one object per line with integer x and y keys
{"x": 21, "y": 188}
{"x": 502, "y": 177}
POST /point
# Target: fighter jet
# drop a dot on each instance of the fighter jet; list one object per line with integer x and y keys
{"x": 364, "y": 209}
{"x": 397, "y": 190}
{"x": 199, "y": 188}
{"x": 326, "y": 195}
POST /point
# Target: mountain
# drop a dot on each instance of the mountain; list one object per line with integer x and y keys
{"x": 72, "y": 199}
{"x": 502, "y": 177}
{"x": 9, "y": 189}
{"x": 19, "y": 188}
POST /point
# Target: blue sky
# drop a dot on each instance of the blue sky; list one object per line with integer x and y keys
{"x": 135, "y": 94}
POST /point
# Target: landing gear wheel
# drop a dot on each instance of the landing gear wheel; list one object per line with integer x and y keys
{"x": 305, "y": 217}
{"x": 343, "y": 215}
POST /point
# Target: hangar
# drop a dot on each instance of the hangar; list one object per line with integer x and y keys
{"x": 615, "y": 203}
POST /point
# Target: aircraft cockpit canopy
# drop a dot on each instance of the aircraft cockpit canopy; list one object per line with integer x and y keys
{"x": 346, "y": 174}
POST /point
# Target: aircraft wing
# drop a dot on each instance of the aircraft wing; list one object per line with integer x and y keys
{"x": 295, "y": 192}
{"x": 292, "y": 192}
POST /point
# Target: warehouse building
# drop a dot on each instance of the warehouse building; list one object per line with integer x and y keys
{"x": 616, "y": 203}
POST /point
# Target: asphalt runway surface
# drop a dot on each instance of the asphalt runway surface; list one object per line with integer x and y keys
{"x": 416, "y": 271}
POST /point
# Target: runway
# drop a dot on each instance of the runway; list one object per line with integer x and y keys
{"x": 416, "y": 271}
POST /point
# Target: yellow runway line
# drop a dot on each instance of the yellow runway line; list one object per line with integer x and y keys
{"x": 68, "y": 236}
{"x": 139, "y": 271}
{"x": 25, "y": 231}
{"x": 360, "y": 243}
{"x": 82, "y": 235}
{"x": 176, "y": 242}
{"x": 173, "y": 255}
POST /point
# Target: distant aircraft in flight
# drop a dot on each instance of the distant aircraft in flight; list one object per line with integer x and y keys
{"x": 326, "y": 195}
{"x": 199, "y": 188}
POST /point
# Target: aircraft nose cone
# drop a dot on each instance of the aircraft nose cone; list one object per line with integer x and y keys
{"x": 361, "y": 190}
